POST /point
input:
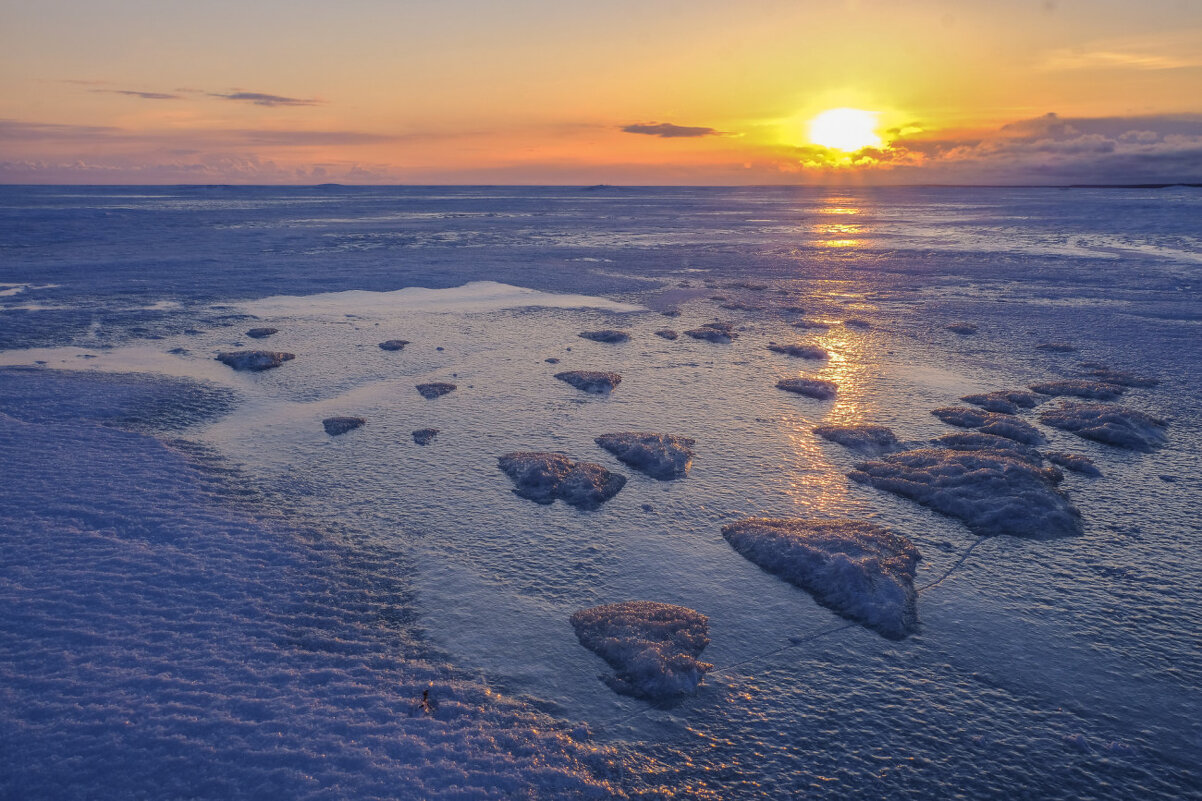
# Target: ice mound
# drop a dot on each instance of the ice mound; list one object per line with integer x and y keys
{"x": 976, "y": 441}
{"x": 1001, "y": 425}
{"x": 860, "y": 570}
{"x": 722, "y": 333}
{"x": 666, "y": 333}
{"x": 810, "y": 387}
{"x": 1122, "y": 379}
{"x": 590, "y": 380}
{"x": 865, "y": 439}
{"x": 605, "y": 335}
{"x": 1003, "y": 401}
{"x": 800, "y": 351}
{"x": 989, "y": 491}
{"x": 262, "y": 333}
{"x": 652, "y": 647}
{"x": 1114, "y": 425}
{"x": 1075, "y": 462}
{"x": 254, "y": 360}
{"x": 424, "y": 436}
{"x": 661, "y": 456}
{"x": 340, "y": 425}
{"x": 394, "y": 344}
{"x": 961, "y": 328}
{"x": 435, "y": 390}
{"x": 1093, "y": 390}
{"x": 1056, "y": 347}
{"x": 856, "y": 322}
{"x": 543, "y": 477}
{"x": 810, "y": 324}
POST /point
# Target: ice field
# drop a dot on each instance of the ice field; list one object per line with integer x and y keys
{"x": 204, "y": 593}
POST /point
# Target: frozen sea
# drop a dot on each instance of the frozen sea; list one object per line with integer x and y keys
{"x": 204, "y": 595}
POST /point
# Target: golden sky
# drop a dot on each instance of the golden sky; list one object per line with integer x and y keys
{"x": 648, "y": 92}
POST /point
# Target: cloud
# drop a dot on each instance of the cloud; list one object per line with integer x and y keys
{"x": 669, "y": 131}
{"x": 15, "y": 130}
{"x": 260, "y": 99}
{"x": 143, "y": 95}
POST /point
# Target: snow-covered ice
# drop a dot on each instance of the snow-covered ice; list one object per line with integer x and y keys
{"x": 652, "y": 647}
{"x": 861, "y": 570}
{"x": 1003, "y": 401}
{"x": 817, "y": 388}
{"x": 1114, "y": 425}
{"x": 1002, "y": 425}
{"x": 596, "y": 382}
{"x": 662, "y": 456}
{"x": 254, "y": 360}
{"x": 435, "y": 389}
{"x": 340, "y": 425}
{"x": 608, "y": 335}
{"x": 1080, "y": 388}
{"x": 866, "y": 439}
{"x": 545, "y": 477}
{"x": 800, "y": 351}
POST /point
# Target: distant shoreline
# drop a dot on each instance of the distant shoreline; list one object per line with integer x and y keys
{"x": 609, "y": 187}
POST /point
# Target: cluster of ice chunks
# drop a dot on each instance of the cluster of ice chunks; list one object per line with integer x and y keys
{"x": 608, "y": 335}
{"x": 1003, "y": 401}
{"x": 652, "y": 647}
{"x": 254, "y": 360}
{"x": 862, "y": 571}
{"x": 1080, "y": 388}
{"x": 544, "y": 477}
{"x": 662, "y": 456}
{"x": 866, "y": 439}
{"x": 591, "y": 381}
{"x": 1113, "y": 425}
{"x": 340, "y": 425}
{"x": 991, "y": 491}
{"x": 815, "y": 388}
{"x": 435, "y": 389}
{"x": 800, "y": 351}
{"x": 1002, "y": 425}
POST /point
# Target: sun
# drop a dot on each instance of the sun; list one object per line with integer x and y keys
{"x": 846, "y": 129}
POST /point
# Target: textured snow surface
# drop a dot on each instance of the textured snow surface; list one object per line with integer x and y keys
{"x": 1113, "y": 425}
{"x": 652, "y": 647}
{"x": 167, "y": 636}
{"x": 989, "y": 491}
{"x": 861, "y": 570}
{"x": 662, "y": 456}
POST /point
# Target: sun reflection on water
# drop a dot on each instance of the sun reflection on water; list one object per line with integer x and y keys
{"x": 841, "y": 234}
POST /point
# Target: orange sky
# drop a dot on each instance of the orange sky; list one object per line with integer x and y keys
{"x": 384, "y": 91}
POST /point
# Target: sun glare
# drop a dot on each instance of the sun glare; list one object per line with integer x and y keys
{"x": 846, "y": 129}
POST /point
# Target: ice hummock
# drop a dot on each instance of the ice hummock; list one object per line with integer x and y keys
{"x": 1075, "y": 462}
{"x": 254, "y": 360}
{"x": 1003, "y": 401}
{"x": 662, "y": 456}
{"x": 861, "y": 570}
{"x": 816, "y": 388}
{"x": 340, "y": 425}
{"x": 652, "y": 647}
{"x": 990, "y": 491}
{"x": 813, "y": 352}
{"x": 1121, "y": 426}
{"x": 1002, "y": 425}
{"x": 543, "y": 477}
{"x": 866, "y": 439}
{"x": 607, "y": 335}
{"x": 1080, "y": 388}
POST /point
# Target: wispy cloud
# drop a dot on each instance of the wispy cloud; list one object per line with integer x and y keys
{"x": 261, "y": 99}
{"x": 15, "y": 130}
{"x": 143, "y": 95}
{"x": 1113, "y": 59}
{"x": 669, "y": 131}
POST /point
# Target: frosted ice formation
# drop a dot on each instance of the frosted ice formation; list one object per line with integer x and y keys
{"x": 1114, "y": 425}
{"x": 254, "y": 360}
{"x": 652, "y": 647}
{"x": 435, "y": 389}
{"x": 866, "y": 439}
{"x": 590, "y": 380}
{"x": 1003, "y": 401}
{"x": 340, "y": 425}
{"x": 1122, "y": 379}
{"x": 605, "y": 335}
{"x": 1093, "y": 390}
{"x": 1075, "y": 462}
{"x": 1056, "y": 347}
{"x": 1002, "y": 425}
{"x": 262, "y": 333}
{"x": 800, "y": 351}
{"x": 810, "y": 387}
{"x": 662, "y": 456}
{"x": 424, "y": 436}
{"x": 721, "y": 333}
{"x": 394, "y": 344}
{"x": 543, "y": 477}
{"x": 961, "y": 328}
{"x": 860, "y": 570}
{"x": 976, "y": 441}
{"x": 666, "y": 333}
{"x": 989, "y": 491}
